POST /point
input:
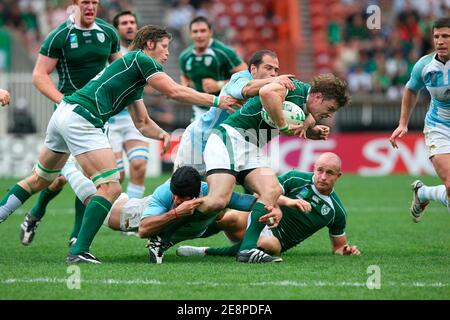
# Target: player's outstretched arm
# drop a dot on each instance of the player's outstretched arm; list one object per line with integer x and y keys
{"x": 4, "y": 97}
{"x": 147, "y": 126}
{"x": 341, "y": 246}
{"x": 253, "y": 86}
{"x": 41, "y": 78}
{"x": 409, "y": 101}
{"x": 167, "y": 86}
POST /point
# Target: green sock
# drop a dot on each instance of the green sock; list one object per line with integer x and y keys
{"x": 46, "y": 195}
{"x": 254, "y": 229}
{"x": 94, "y": 216}
{"x": 79, "y": 213}
{"x": 15, "y": 197}
{"x": 224, "y": 251}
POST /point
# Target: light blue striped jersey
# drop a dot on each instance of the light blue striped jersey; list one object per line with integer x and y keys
{"x": 434, "y": 75}
{"x": 162, "y": 200}
{"x": 202, "y": 128}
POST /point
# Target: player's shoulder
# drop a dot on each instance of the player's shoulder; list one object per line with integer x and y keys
{"x": 221, "y": 48}
{"x": 241, "y": 74}
{"x": 300, "y": 86}
{"x": 425, "y": 60}
{"x": 339, "y": 206}
{"x": 60, "y": 32}
{"x": 105, "y": 25}
{"x": 295, "y": 175}
{"x": 163, "y": 190}
{"x": 186, "y": 52}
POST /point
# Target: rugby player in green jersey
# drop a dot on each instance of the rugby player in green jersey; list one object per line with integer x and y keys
{"x": 76, "y": 127}
{"x": 207, "y": 64}
{"x": 308, "y": 202}
{"x": 79, "y": 48}
{"x": 233, "y": 153}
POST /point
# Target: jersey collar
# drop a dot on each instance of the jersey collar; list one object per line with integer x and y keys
{"x": 208, "y": 50}
{"x": 435, "y": 58}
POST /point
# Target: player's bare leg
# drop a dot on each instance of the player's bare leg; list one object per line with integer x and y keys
{"x": 137, "y": 153}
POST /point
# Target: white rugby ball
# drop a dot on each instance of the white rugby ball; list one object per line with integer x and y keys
{"x": 292, "y": 113}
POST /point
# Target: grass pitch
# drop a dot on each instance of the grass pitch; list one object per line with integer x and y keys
{"x": 413, "y": 259}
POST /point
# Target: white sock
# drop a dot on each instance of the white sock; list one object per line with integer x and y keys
{"x": 11, "y": 204}
{"x": 437, "y": 193}
{"x": 135, "y": 191}
{"x": 81, "y": 185}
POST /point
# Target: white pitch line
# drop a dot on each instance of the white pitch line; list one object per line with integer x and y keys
{"x": 219, "y": 284}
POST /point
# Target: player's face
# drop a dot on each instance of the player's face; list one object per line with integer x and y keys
{"x": 160, "y": 50}
{"x": 127, "y": 28}
{"x": 269, "y": 67}
{"x": 441, "y": 39}
{"x": 88, "y": 10}
{"x": 325, "y": 176}
{"x": 201, "y": 34}
{"x": 319, "y": 107}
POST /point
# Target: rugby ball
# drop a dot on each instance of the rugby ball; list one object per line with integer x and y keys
{"x": 293, "y": 114}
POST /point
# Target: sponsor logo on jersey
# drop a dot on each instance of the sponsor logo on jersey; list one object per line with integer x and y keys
{"x": 208, "y": 61}
{"x": 315, "y": 199}
{"x": 325, "y": 210}
{"x": 87, "y": 34}
{"x": 101, "y": 37}
{"x": 73, "y": 40}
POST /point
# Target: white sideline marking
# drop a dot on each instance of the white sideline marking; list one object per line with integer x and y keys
{"x": 218, "y": 284}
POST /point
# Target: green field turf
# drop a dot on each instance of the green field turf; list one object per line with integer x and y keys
{"x": 414, "y": 259}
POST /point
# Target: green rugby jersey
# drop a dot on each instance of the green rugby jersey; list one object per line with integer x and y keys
{"x": 216, "y": 63}
{"x": 81, "y": 53}
{"x": 248, "y": 119}
{"x": 117, "y": 86}
{"x": 296, "y": 226}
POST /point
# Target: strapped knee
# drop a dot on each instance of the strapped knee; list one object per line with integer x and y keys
{"x": 138, "y": 153}
{"x": 106, "y": 177}
{"x": 46, "y": 174}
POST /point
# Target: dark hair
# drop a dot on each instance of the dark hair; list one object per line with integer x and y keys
{"x": 443, "y": 22}
{"x": 200, "y": 19}
{"x": 257, "y": 57}
{"x": 331, "y": 87}
{"x": 148, "y": 32}
{"x": 186, "y": 182}
{"x": 120, "y": 14}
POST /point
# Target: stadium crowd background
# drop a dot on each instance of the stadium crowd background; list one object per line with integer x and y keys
{"x": 318, "y": 36}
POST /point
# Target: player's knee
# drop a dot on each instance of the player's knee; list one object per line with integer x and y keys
{"x": 271, "y": 193}
{"x": 107, "y": 184}
{"x": 216, "y": 204}
{"x": 43, "y": 177}
{"x": 270, "y": 244}
{"x": 138, "y": 167}
{"x": 36, "y": 182}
